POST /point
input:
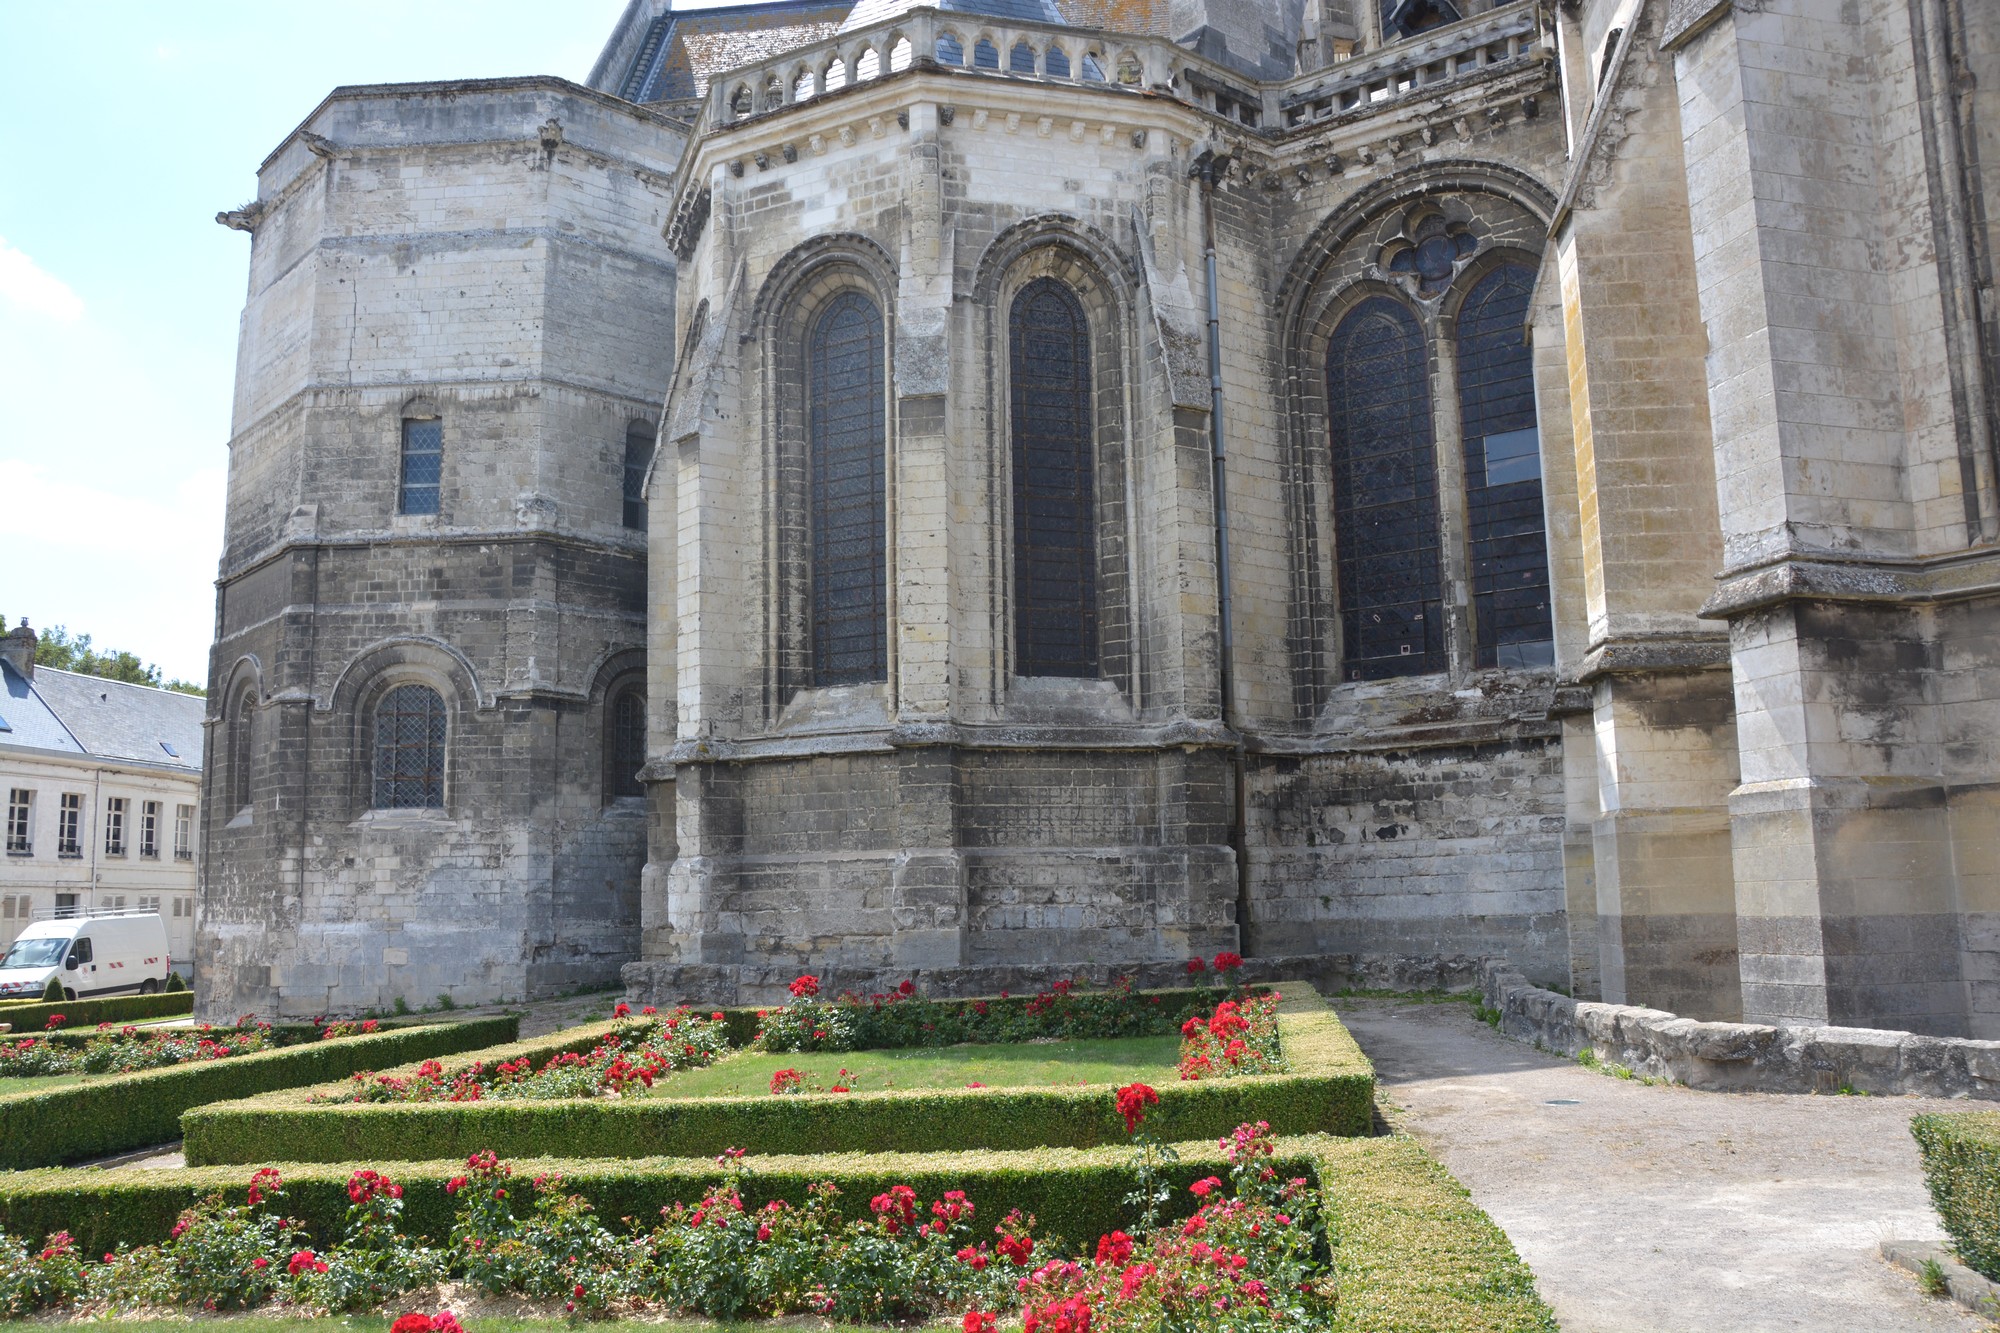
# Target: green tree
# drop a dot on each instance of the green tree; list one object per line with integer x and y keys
{"x": 60, "y": 650}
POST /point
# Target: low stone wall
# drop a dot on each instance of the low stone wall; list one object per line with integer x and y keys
{"x": 663, "y": 983}
{"x": 1741, "y": 1057}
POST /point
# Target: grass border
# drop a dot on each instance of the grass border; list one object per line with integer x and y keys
{"x": 115, "y": 1113}
{"x": 1331, "y": 1089}
{"x": 1413, "y": 1252}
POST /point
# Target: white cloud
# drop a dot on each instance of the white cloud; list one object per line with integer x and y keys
{"x": 26, "y": 284}
{"x": 133, "y": 571}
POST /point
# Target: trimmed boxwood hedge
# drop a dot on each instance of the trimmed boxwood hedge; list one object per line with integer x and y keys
{"x": 117, "y": 1112}
{"x": 1331, "y": 1089}
{"x": 30, "y": 1019}
{"x": 1961, "y": 1154}
{"x": 1414, "y": 1254}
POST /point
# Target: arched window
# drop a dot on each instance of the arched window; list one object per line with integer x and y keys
{"x": 242, "y": 752}
{"x": 638, "y": 453}
{"x": 625, "y": 744}
{"x": 409, "y": 749}
{"x": 847, "y": 457}
{"x": 1385, "y": 499}
{"x": 1503, "y": 474}
{"x": 1055, "y": 501}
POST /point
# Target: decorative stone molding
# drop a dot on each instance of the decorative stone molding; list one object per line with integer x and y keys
{"x": 1741, "y": 1057}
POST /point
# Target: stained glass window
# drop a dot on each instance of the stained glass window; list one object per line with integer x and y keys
{"x": 1503, "y": 474}
{"x": 1384, "y": 494}
{"x": 409, "y": 749}
{"x": 850, "y": 635}
{"x": 638, "y": 453}
{"x": 423, "y": 464}
{"x": 1055, "y": 503}
{"x": 625, "y": 751}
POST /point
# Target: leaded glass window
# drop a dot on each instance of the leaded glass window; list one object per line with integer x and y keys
{"x": 423, "y": 465}
{"x": 847, "y": 462}
{"x": 638, "y": 453}
{"x": 1055, "y": 501}
{"x": 409, "y": 749}
{"x": 241, "y": 750}
{"x": 1385, "y": 494}
{"x": 627, "y": 748}
{"x": 1503, "y": 474}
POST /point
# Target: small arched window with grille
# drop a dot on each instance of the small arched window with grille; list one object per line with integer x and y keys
{"x": 1503, "y": 474}
{"x": 1055, "y": 499}
{"x": 638, "y": 453}
{"x": 409, "y": 749}
{"x": 625, "y": 745}
{"x": 1385, "y": 494}
{"x": 242, "y": 752}
{"x": 846, "y": 460}
{"x": 422, "y": 466}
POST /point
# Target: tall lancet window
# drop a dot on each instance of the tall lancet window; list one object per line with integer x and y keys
{"x": 1503, "y": 474}
{"x": 1055, "y": 493}
{"x": 847, "y": 458}
{"x": 1385, "y": 494}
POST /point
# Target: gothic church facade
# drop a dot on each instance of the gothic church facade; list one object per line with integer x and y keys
{"x": 1010, "y": 484}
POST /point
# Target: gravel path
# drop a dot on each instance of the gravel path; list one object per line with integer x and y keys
{"x": 1657, "y": 1209}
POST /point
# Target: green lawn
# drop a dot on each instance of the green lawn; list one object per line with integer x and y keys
{"x": 1031, "y": 1065}
{"x": 41, "y": 1083}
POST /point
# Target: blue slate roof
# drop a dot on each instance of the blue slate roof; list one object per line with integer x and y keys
{"x": 106, "y": 719}
{"x": 681, "y": 50}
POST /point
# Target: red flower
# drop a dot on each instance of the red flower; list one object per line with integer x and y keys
{"x": 1133, "y": 1099}
{"x": 717, "y": 1016}
{"x": 55, "y": 1021}
{"x": 649, "y": 1011}
{"x": 763, "y": 1231}
{"x": 264, "y": 1180}
{"x": 1016, "y": 1248}
{"x": 978, "y": 1322}
{"x": 444, "y": 1321}
{"x": 455, "y": 1184}
{"x": 1134, "y": 1278}
{"x": 412, "y": 1323}
{"x": 1192, "y": 1028}
{"x": 787, "y": 1080}
{"x": 305, "y": 1261}
{"x": 975, "y": 1259}
{"x": 1195, "y": 966}
{"x": 805, "y": 986}
{"x": 907, "y": 988}
{"x": 1114, "y": 1250}
{"x": 1202, "y": 1188}
{"x": 621, "y": 1010}
{"x": 1227, "y": 961}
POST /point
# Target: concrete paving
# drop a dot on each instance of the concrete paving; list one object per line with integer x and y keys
{"x": 1658, "y": 1209}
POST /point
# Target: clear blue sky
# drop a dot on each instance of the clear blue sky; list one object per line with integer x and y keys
{"x": 129, "y": 125}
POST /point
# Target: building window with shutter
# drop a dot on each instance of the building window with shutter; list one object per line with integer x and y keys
{"x": 114, "y": 825}
{"x": 20, "y": 821}
{"x": 69, "y": 824}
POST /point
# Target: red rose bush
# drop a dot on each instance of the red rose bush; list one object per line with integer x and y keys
{"x": 1240, "y": 1037}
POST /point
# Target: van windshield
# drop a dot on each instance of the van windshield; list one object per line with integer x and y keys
{"x": 34, "y": 953}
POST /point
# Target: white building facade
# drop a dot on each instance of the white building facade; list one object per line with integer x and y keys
{"x": 102, "y": 789}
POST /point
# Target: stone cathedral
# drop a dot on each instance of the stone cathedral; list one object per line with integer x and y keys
{"x": 986, "y": 488}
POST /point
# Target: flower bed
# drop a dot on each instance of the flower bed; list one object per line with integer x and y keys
{"x": 903, "y": 1017}
{"x": 1237, "y": 1039}
{"x": 130, "y": 1050}
{"x": 1414, "y": 1255}
{"x": 124, "y": 1111}
{"x": 32, "y": 1018}
{"x": 625, "y": 1059}
{"x": 1330, "y": 1087}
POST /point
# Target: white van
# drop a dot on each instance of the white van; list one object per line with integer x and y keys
{"x": 107, "y": 954}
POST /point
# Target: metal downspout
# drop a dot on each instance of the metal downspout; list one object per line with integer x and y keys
{"x": 1208, "y": 168}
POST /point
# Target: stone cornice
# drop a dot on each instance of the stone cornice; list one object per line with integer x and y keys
{"x": 1647, "y": 656}
{"x": 1823, "y": 578}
